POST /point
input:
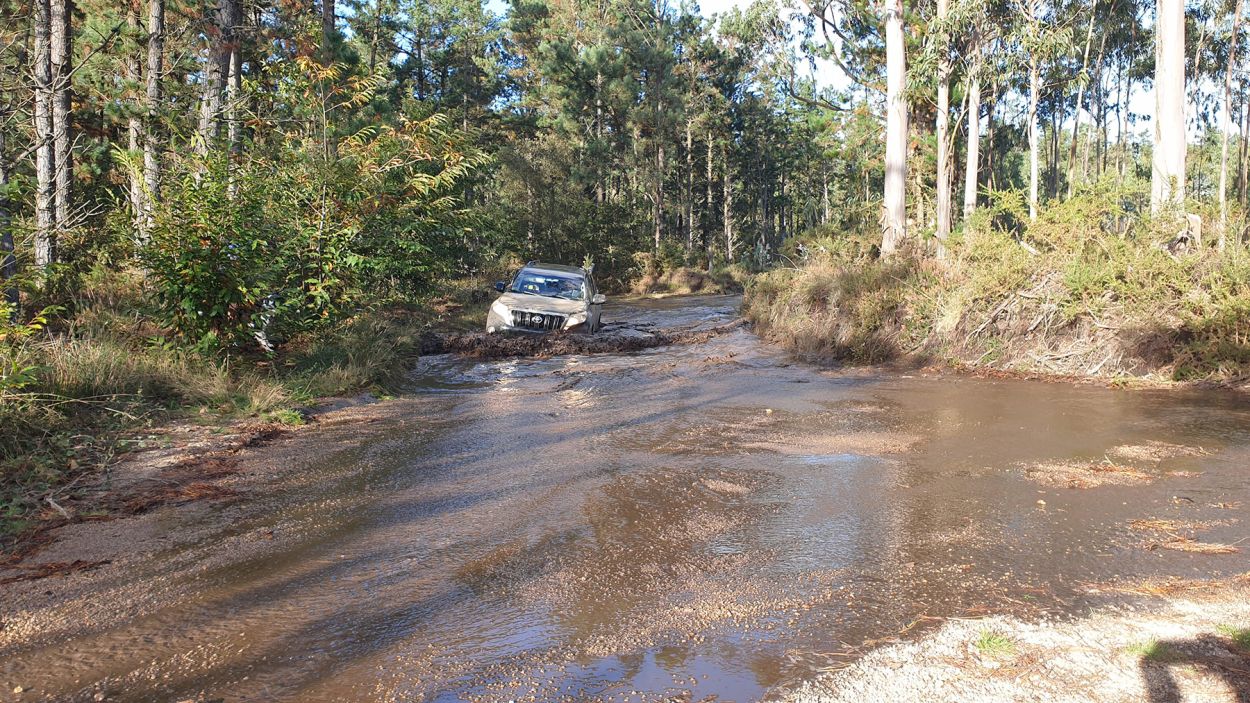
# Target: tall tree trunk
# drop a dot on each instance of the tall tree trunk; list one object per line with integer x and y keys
{"x": 1034, "y": 91}
{"x": 690, "y": 227}
{"x": 134, "y": 130}
{"x": 328, "y": 16}
{"x": 1167, "y": 185}
{"x": 707, "y": 207}
{"x": 1244, "y": 163}
{"x": 657, "y": 197}
{"x": 1080, "y": 99}
{"x": 894, "y": 221}
{"x": 824, "y": 193}
{"x": 420, "y": 54}
{"x": 62, "y": 109}
{"x": 234, "y": 91}
{"x": 973, "y": 155}
{"x": 989, "y": 135}
{"x": 727, "y": 204}
{"x": 944, "y": 140}
{"x": 1226, "y": 123}
{"x": 1119, "y": 117}
{"x": 8, "y": 251}
{"x": 600, "y": 191}
{"x": 216, "y": 72}
{"x": 151, "y": 119}
{"x": 1052, "y": 170}
{"x": 375, "y": 34}
{"x": 45, "y": 155}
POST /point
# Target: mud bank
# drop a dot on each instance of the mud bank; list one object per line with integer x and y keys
{"x": 1190, "y": 645}
{"x": 613, "y": 338}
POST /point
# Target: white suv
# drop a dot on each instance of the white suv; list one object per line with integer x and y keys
{"x": 547, "y": 298}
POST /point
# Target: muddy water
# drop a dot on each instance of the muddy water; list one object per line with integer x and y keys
{"x": 691, "y": 521}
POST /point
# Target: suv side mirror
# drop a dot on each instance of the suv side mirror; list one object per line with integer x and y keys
{"x": 501, "y": 286}
{"x": 598, "y": 299}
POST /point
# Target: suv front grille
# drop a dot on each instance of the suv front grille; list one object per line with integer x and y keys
{"x": 542, "y": 321}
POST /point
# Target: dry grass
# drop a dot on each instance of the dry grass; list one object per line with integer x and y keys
{"x": 1077, "y": 302}
{"x": 1157, "y": 525}
{"x": 1189, "y": 544}
{"x": 1155, "y": 451}
{"x": 1086, "y": 474}
{"x": 1167, "y": 587}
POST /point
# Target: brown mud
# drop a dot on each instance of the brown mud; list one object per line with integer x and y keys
{"x": 687, "y": 521}
{"x": 613, "y": 338}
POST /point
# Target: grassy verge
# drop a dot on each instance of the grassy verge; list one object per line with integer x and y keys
{"x": 71, "y": 394}
{"x": 1083, "y": 292}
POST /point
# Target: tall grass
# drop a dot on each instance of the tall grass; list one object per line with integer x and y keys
{"x": 1085, "y": 268}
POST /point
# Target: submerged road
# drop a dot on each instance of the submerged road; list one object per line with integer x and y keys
{"x": 685, "y": 522}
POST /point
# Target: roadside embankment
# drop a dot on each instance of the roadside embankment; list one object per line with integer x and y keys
{"x": 1069, "y": 301}
{"x": 75, "y": 389}
{"x": 1169, "y": 641}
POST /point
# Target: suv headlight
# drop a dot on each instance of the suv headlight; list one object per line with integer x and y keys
{"x": 575, "y": 320}
{"x": 502, "y": 311}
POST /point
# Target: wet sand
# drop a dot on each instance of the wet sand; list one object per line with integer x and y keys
{"x": 687, "y": 521}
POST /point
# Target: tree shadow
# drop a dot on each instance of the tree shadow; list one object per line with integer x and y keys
{"x": 1209, "y": 654}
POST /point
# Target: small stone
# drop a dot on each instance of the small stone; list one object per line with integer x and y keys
{"x": 18, "y": 689}
{"x": 1041, "y": 502}
{"x": 768, "y": 411}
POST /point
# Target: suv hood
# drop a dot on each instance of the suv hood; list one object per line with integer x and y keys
{"x": 539, "y": 303}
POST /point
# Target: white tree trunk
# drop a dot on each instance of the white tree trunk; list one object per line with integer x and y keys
{"x": 944, "y": 140}
{"x": 1226, "y": 123}
{"x": 151, "y": 147}
{"x": 727, "y": 205}
{"x": 45, "y": 159}
{"x": 1080, "y": 102}
{"x": 62, "y": 109}
{"x": 707, "y": 207}
{"x": 971, "y": 163}
{"x": 216, "y": 73}
{"x": 1034, "y": 90}
{"x": 134, "y": 132}
{"x": 1167, "y": 184}
{"x": 894, "y": 219}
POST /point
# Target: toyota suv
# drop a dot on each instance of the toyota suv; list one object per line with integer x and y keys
{"x": 546, "y": 298}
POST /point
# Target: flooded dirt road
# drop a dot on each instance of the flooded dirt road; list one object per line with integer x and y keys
{"x": 682, "y": 522}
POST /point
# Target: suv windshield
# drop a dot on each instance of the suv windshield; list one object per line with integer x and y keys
{"x": 549, "y": 284}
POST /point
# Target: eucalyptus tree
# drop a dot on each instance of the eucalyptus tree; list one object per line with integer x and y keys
{"x": 1167, "y": 189}
{"x": 1226, "y": 120}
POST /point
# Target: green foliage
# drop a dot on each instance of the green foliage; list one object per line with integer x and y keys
{"x": 991, "y": 643}
{"x": 213, "y": 251}
{"x": 1240, "y": 636}
{"x": 1150, "y": 650}
{"x": 289, "y": 238}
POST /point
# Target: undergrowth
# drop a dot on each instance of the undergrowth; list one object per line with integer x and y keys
{"x": 1090, "y": 288}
